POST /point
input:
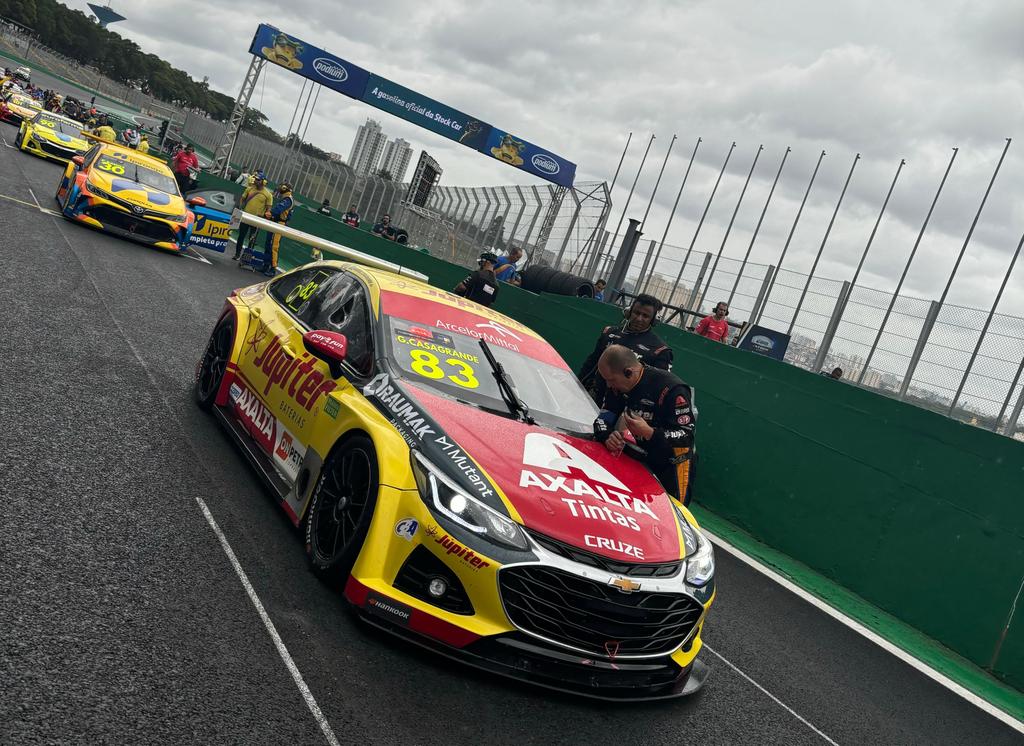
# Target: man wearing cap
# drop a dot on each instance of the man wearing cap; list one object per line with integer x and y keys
{"x": 280, "y": 212}
{"x": 481, "y": 286}
{"x": 255, "y": 200}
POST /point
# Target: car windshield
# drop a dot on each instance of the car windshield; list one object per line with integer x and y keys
{"x": 24, "y": 101}
{"x": 454, "y": 364}
{"x": 64, "y": 126}
{"x": 137, "y": 172}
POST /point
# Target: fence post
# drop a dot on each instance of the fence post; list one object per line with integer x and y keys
{"x": 833, "y": 324}
{"x": 568, "y": 231}
{"x": 922, "y": 341}
{"x": 1011, "y": 424}
{"x": 1006, "y": 401}
{"x": 761, "y": 300}
{"x": 696, "y": 284}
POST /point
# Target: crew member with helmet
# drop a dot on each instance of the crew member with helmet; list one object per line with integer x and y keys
{"x": 482, "y": 285}
{"x": 635, "y": 332}
{"x": 280, "y": 212}
{"x": 653, "y": 408}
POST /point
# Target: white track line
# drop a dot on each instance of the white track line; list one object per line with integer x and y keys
{"x": 34, "y": 199}
{"x": 771, "y": 696}
{"x": 871, "y": 635}
{"x": 307, "y": 695}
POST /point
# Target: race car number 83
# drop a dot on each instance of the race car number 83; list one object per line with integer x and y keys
{"x": 428, "y": 365}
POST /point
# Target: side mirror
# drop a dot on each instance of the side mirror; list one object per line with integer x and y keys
{"x": 330, "y": 347}
{"x": 197, "y": 202}
{"x": 78, "y": 160}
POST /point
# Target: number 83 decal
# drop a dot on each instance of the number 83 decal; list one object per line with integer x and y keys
{"x": 428, "y": 365}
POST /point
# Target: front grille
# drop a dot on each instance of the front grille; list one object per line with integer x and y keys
{"x": 640, "y": 570}
{"x": 594, "y": 617}
{"x": 122, "y": 221}
{"x": 419, "y": 569}
{"x": 55, "y": 150}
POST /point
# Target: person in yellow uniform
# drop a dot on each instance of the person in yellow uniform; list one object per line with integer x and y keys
{"x": 104, "y": 131}
{"x": 143, "y": 146}
{"x": 280, "y": 212}
{"x": 255, "y": 200}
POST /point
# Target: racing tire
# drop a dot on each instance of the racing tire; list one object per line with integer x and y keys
{"x": 341, "y": 509}
{"x": 214, "y": 364}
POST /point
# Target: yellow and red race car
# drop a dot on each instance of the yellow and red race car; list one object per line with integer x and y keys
{"x": 129, "y": 194}
{"x": 441, "y": 460}
{"x": 52, "y": 136}
{"x": 15, "y": 107}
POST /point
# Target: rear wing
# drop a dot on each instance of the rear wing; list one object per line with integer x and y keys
{"x": 343, "y": 252}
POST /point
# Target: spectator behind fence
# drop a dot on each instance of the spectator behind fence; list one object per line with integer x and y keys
{"x": 351, "y": 217}
{"x": 715, "y": 327}
{"x": 325, "y": 207}
{"x": 505, "y": 267}
{"x": 384, "y": 228}
{"x": 482, "y": 285}
{"x": 634, "y": 333}
{"x": 599, "y": 287}
{"x": 836, "y": 374}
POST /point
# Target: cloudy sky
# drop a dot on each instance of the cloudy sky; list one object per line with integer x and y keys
{"x": 887, "y": 80}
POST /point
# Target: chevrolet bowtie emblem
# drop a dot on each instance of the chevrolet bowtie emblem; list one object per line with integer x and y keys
{"x": 624, "y": 584}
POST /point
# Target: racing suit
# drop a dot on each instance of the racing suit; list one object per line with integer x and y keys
{"x": 665, "y": 403}
{"x": 480, "y": 287}
{"x": 646, "y": 344}
{"x": 280, "y": 212}
{"x": 255, "y": 202}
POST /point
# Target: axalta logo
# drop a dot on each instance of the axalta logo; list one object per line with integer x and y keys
{"x": 545, "y": 163}
{"x": 330, "y": 69}
{"x": 253, "y": 413}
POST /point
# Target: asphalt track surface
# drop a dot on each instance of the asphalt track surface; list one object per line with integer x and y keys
{"x": 123, "y": 621}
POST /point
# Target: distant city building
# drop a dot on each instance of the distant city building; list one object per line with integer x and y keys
{"x": 367, "y": 148}
{"x": 396, "y": 159}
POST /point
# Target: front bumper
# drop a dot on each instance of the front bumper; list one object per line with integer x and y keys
{"x": 49, "y": 150}
{"x": 104, "y": 215}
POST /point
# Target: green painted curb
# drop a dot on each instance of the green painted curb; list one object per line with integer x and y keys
{"x": 911, "y": 641}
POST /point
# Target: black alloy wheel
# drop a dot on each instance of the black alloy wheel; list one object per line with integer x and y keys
{"x": 214, "y": 363}
{"x": 341, "y": 509}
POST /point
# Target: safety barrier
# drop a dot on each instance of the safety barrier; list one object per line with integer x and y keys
{"x": 914, "y": 512}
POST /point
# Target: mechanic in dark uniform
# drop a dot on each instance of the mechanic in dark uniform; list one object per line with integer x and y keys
{"x": 656, "y": 408}
{"x": 637, "y": 334}
{"x": 481, "y": 286}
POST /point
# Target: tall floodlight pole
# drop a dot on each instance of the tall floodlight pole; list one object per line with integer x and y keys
{"x": 629, "y": 198}
{"x": 671, "y": 215}
{"x": 984, "y": 330}
{"x": 821, "y": 249}
{"x": 643, "y": 220}
{"x": 728, "y": 230}
{"x": 906, "y": 269}
{"x": 909, "y": 377}
{"x": 700, "y": 224}
{"x": 755, "y": 315}
{"x": 757, "y": 228}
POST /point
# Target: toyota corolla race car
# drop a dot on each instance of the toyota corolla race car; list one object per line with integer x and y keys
{"x": 441, "y": 461}
{"x": 129, "y": 194}
{"x": 52, "y": 136}
{"x": 17, "y": 106}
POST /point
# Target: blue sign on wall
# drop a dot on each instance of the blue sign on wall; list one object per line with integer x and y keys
{"x": 342, "y": 76}
{"x": 765, "y": 341}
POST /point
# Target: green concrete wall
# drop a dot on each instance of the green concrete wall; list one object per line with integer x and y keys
{"x": 917, "y": 513}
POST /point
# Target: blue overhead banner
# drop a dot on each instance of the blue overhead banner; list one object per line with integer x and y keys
{"x": 344, "y": 77}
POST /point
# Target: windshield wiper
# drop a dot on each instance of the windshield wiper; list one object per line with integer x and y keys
{"x": 507, "y": 388}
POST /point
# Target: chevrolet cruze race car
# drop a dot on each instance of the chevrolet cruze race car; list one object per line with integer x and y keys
{"x": 126, "y": 193}
{"x": 441, "y": 462}
{"x": 52, "y": 136}
{"x": 16, "y": 106}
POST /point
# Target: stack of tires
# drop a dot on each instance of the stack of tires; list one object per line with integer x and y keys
{"x": 550, "y": 280}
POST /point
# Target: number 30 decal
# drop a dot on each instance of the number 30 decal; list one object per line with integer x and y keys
{"x": 428, "y": 365}
{"x": 114, "y": 168}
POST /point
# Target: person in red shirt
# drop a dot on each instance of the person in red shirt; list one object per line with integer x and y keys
{"x": 182, "y": 162}
{"x": 715, "y": 327}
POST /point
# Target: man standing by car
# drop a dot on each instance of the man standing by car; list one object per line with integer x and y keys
{"x": 656, "y": 408}
{"x": 184, "y": 160}
{"x": 255, "y": 200}
{"x": 637, "y": 334}
{"x": 481, "y": 286}
{"x": 280, "y": 212}
{"x": 715, "y": 327}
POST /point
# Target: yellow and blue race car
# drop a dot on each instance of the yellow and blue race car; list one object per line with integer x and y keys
{"x": 441, "y": 461}
{"x": 52, "y": 136}
{"x": 129, "y": 194}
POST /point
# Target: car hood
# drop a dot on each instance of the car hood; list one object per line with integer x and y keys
{"x": 567, "y": 488}
{"x": 137, "y": 194}
{"x": 23, "y": 111}
{"x": 65, "y": 141}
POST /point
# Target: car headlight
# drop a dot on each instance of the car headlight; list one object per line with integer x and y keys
{"x": 446, "y": 497}
{"x": 37, "y": 138}
{"x": 700, "y": 556}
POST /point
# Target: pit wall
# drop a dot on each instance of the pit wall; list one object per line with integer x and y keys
{"x": 918, "y": 514}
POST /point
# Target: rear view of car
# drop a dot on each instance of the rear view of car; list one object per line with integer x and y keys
{"x": 16, "y": 107}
